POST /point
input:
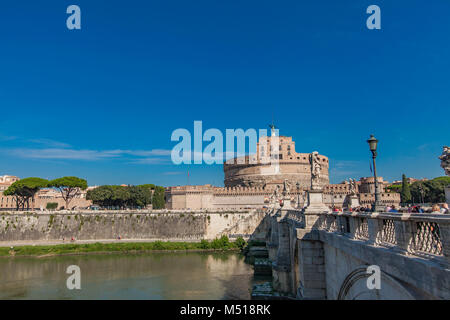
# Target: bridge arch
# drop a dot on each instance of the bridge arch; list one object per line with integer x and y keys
{"x": 354, "y": 287}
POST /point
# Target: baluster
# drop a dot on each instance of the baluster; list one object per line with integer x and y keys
{"x": 354, "y": 227}
{"x": 375, "y": 228}
{"x": 340, "y": 221}
{"x": 445, "y": 239}
{"x": 403, "y": 234}
{"x": 412, "y": 241}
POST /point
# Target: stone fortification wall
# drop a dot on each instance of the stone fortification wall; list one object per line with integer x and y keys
{"x": 157, "y": 225}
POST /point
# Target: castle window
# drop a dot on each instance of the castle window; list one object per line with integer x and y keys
{"x": 280, "y": 148}
{"x": 281, "y": 156}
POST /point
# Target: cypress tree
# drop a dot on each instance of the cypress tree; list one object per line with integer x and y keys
{"x": 405, "y": 194}
{"x": 158, "y": 200}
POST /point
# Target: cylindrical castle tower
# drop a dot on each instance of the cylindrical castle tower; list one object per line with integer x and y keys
{"x": 270, "y": 166}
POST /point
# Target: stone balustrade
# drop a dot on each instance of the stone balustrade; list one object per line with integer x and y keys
{"x": 326, "y": 255}
{"x": 420, "y": 234}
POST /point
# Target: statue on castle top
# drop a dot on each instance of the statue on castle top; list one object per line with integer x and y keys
{"x": 445, "y": 160}
{"x": 272, "y": 129}
{"x": 315, "y": 170}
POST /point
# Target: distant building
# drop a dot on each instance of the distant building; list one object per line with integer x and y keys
{"x": 249, "y": 182}
{"x": 367, "y": 185}
{"x": 408, "y": 180}
{"x": 42, "y": 197}
{"x": 6, "y": 181}
{"x": 269, "y": 165}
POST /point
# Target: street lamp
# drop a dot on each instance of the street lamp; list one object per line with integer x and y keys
{"x": 298, "y": 194}
{"x": 422, "y": 193}
{"x": 373, "y": 147}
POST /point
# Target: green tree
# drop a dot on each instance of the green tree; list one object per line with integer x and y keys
{"x": 405, "y": 193}
{"x": 158, "y": 199}
{"x": 70, "y": 187}
{"x": 101, "y": 196}
{"x": 431, "y": 191}
{"x": 120, "y": 196}
{"x": 150, "y": 186}
{"x": 140, "y": 196}
{"x": 25, "y": 189}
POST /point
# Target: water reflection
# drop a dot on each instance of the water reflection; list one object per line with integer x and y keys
{"x": 191, "y": 275}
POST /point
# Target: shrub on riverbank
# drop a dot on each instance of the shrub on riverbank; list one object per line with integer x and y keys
{"x": 240, "y": 243}
{"x": 217, "y": 244}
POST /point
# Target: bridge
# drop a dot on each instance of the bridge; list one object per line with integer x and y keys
{"x": 323, "y": 255}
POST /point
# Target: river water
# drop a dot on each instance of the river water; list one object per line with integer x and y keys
{"x": 159, "y": 275}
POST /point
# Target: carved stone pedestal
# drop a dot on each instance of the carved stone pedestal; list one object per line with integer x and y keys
{"x": 315, "y": 202}
{"x": 353, "y": 201}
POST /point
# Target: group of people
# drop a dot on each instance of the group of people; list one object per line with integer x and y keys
{"x": 436, "y": 208}
{"x": 356, "y": 209}
{"x": 441, "y": 209}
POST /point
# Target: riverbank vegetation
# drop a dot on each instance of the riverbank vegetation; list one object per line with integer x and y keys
{"x": 110, "y": 196}
{"x": 222, "y": 244}
{"x": 23, "y": 191}
{"x": 421, "y": 191}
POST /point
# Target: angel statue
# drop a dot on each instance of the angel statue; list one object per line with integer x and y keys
{"x": 315, "y": 170}
{"x": 445, "y": 160}
{"x": 352, "y": 183}
{"x": 287, "y": 187}
{"x": 276, "y": 193}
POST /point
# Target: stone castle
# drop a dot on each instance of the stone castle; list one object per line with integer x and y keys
{"x": 251, "y": 180}
{"x": 258, "y": 171}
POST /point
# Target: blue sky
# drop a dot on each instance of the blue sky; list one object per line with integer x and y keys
{"x": 102, "y": 102}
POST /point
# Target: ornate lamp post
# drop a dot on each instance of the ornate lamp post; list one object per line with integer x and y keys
{"x": 298, "y": 194}
{"x": 377, "y": 206}
{"x": 422, "y": 193}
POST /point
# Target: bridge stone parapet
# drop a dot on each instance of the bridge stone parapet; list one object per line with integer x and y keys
{"x": 326, "y": 255}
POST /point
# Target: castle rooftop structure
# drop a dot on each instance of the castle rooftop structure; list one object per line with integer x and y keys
{"x": 269, "y": 165}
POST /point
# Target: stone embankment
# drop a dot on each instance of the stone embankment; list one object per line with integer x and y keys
{"x": 174, "y": 225}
